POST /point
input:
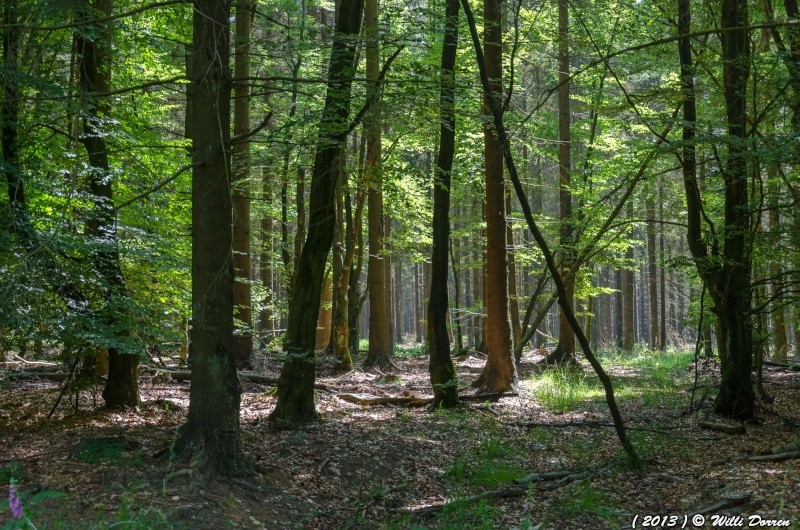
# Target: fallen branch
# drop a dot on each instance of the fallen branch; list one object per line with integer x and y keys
{"x": 560, "y": 478}
{"x": 777, "y": 457}
{"x": 727, "y": 428}
{"x": 369, "y": 400}
{"x": 792, "y": 367}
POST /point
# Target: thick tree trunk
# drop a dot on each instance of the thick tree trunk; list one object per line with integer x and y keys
{"x": 500, "y": 373}
{"x": 212, "y": 427}
{"x": 725, "y": 273}
{"x": 93, "y": 45}
{"x": 380, "y": 338}
{"x": 296, "y": 387}
{"x": 442, "y": 371}
{"x": 242, "y": 289}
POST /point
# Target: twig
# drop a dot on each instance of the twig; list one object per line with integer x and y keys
{"x": 64, "y": 386}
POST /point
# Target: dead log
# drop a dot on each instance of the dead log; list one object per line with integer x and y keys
{"x": 778, "y": 457}
{"x": 369, "y": 400}
{"x": 728, "y": 428}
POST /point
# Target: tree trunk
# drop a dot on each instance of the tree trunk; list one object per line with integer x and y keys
{"x": 502, "y": 136}
{"x": 513, "y": 302}
{"x": 500, "y": 373}
{"x": 628, "y": 303}
{"x": 212, "y": 427}
{"x": 267, "y": 326}
{"x": 619, "y": 332}
{"x": 725, "y": 273}
{"x": 780, "y": 344}
{"x": 380, "y": 338}
{"x": 242, "y": 288}
{"x": 296, "y": 387}
{"x": 93, "y": 45}
{"x": 442, "y": 371}
{"x": 565, "y": 350}
{"x": 652, "y": 274}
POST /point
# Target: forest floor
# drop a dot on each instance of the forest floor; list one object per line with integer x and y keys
{"x": 399, "y": 466}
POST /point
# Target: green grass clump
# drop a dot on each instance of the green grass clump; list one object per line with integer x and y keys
{"x": 563, "y": 389}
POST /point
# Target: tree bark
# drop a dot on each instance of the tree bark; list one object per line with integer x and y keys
{"x": 500, "y": 373}
{"x": 442, "y": 371}
{"x": 296, "y": 387}
{"x": 242, "y": 288}
{"x": 211, "y": 431}
{"x": 380, "y": 338}
{"x": 725, "y": 272}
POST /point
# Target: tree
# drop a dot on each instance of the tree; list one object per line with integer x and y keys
{"x": 565, "y": 350}
{"x": 93, "y": 47}
{"x": 296, "y": 385}
{"x": 443, "y": 376}
{"x": 725, "y": 271}
{"x": 499, "y": 374}
{"x": 211, "y": 431}
{"x": 242, "y": 288}
{"x": 380, "y": 336}
{"x": 502, "y": 136}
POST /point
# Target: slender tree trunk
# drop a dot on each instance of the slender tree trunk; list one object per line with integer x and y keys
{"x": 565, "y": 350}
{"x": 513, "y": 302}
{"x": 93, "y": 45}
{"x": 212, "y": 427}
{"x": 780, "y": 344}
{"x": 418, "y": 324}
{"x": 629, "y": 300}
{"x": 619, "y": 309}
{"x": 354, "y": 296}
{"x": 296, "y": 386}
{"x": 388, "y": 275}
{"x": 267, "y": 267}
{"x": 457, "y": 320}
{"x": 662, "y": 297}
{"x": 442, "y": 372}
{"x": 242, "y": 289}
{"x": 652, "y": 274}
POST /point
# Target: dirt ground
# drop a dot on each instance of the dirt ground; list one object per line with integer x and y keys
{"x": 391, "y": 466}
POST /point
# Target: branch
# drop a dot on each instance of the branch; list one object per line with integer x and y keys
{"x": 155, "y": 188}
{"x": 242, "y": 137}
{"x": 374, "y": 97}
